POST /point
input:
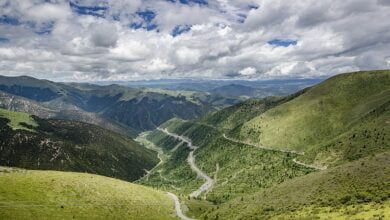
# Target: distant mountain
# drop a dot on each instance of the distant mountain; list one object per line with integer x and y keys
{"x": 112, "y": 106}
{"x": 235, "y": 90}
{"x": 256, "y": 88}
{"x": 34, "y": 143}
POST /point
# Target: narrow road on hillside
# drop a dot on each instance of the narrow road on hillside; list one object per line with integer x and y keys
{"x": 149, "y": 145}
{"x": 160, "y": 154}
{"x": 277, "y": 150}
{"x": 310, "y": 166}
{"x": 179, "y": 212}
{"x": 261, "y": 147}
{"x": 191, "y": 161}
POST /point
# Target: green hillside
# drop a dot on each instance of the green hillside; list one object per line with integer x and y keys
{"x": 115, "y": 107}
{"x": 34, "y": 143}
{"x": 323, "y": 113}
{"x": 238, "y": 169}
{"x": 16, "y": 120}
{"x": 230, "y": 117}
{"x": 240, "y": 166}
{"x": 20, "y": 104}
{"x": 357, "y": 190}
{"x": 28, "y": 194}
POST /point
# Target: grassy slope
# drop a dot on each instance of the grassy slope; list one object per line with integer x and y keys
{"x": 320, "y": 114}
{"x": 241, "y": 168}
{"x": 370, "y": 135}
{"x": 350, "y": 190}
{"x": 16, "y": 118}
{"x": 72, "y": 146}
{"x": 230, "y": 117}
{"x": 134, "y": 108}
{"x": 63, "y": 195}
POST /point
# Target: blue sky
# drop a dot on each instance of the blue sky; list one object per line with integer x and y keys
{"x": 82, "y": 40}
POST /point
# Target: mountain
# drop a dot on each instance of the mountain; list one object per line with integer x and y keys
{"x": 345, "y": 114}
{"x": 235, "y": 90}
{"x": 357, "y": 190}
{"x": 263, "y": 88}
{"x": 34, "y": 143}
{"x": 27, "y": 194}
{"x": 231, "y": 117}
{"x": 114, "y": 107}
{"x": 20, "y": 104}
{"x": 341, "y": 125}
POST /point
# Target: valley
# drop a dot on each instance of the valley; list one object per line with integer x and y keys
{"x": 220, "y": 165}
{"x": 194, "y": 110}
{"x": 216, "y": 140}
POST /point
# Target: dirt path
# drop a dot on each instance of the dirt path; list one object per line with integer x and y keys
{"x": 277, "y": 150}
{"x": 149, "y": 145}
{"x": 179, "y": 212}
{"x": 309, "y": 165}
{"x": 191, "y": 161}
{"x": 160, "y": 154}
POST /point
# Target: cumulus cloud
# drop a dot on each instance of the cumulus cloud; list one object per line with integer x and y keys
{"x": 104, "y": 35}
{"x": 249, "y": 71}
{"x": 123, "y": 40}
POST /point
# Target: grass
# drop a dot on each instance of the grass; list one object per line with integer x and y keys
{"x": 73, "y": 146}
{"x": 233, "y": 116}
{"x": 369, "y": 136}
{"x": 321, "y": 114}
{"x": 362, "y": 182}
{"x": 353, "y": 212}
{"x": 237, "y": 168}
{"x": 344, "y": 119}
{"x": 19, "y": 120}
{"x": 28, "y": 194}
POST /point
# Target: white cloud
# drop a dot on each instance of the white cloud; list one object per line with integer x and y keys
{"x": 48, "y": 12}
{"x": 228, "y": 38}
{"x": 249, "y": 71}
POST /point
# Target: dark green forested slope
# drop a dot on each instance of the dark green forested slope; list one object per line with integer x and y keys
{"x": 34, "y": 143}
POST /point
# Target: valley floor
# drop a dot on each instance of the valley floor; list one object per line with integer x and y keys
{"x": 172, "y": 141}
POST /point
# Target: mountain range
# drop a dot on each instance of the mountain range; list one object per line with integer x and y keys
{"x": 118, "y": 108}
{"x": 321, "y": 152}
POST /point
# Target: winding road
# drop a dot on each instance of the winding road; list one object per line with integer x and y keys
{"x": 278, "y": 150}
{"x": 179, "y": 212}
{"x": 209, "y": 182}
{"x": 160, "y": 153}
{"x": 191, "y": 161}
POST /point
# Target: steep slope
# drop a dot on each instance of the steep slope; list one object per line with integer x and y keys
{"x": 323, "y": 113}
{"x": 357, "y": 190}
{"x": 236, "y": 168}
{"x": 63, "y": 195}
{"x": 136, "y": 109}
{"x": 30, "y": 142}
{"x": 240, "y": 167}
{"x": 20, "y": 104}
{"x": 230, "y": 117}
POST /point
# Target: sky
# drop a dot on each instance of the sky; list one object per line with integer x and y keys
{"x": 103, "y": 40}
